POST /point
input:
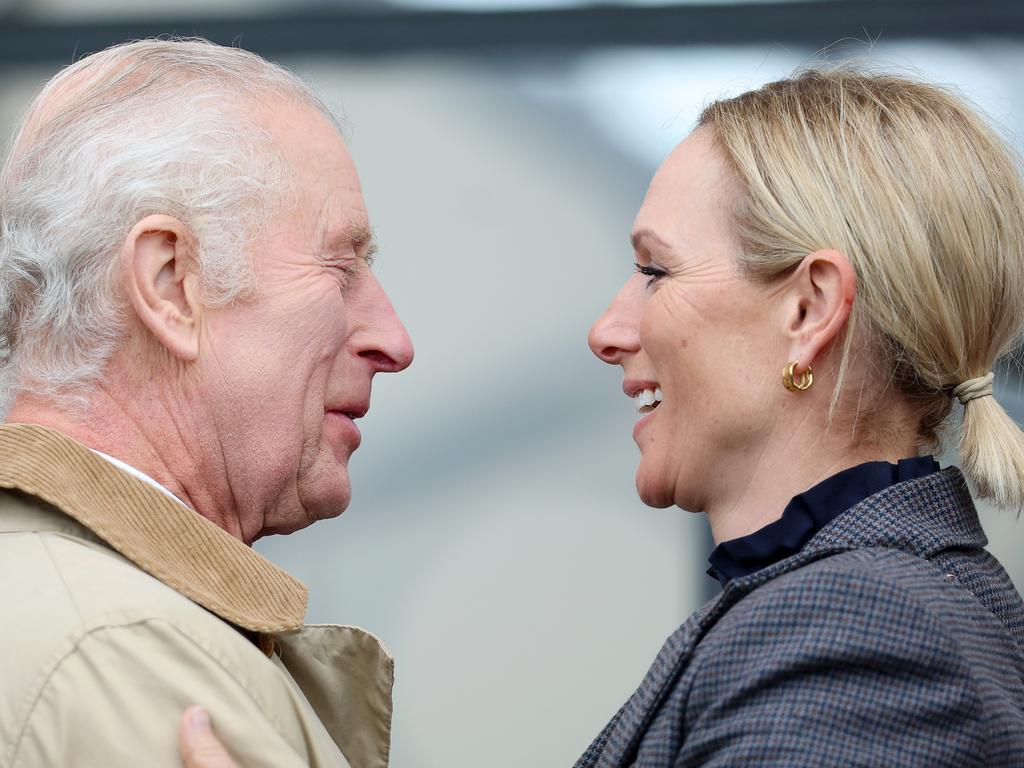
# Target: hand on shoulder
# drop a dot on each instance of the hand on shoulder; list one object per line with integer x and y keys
{"x": 199, "y": 746}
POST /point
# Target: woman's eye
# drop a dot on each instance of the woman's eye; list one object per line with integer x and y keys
{"x": 650, "y": 271}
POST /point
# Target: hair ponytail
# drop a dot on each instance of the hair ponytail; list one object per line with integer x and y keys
{"x": 992, "y": 452}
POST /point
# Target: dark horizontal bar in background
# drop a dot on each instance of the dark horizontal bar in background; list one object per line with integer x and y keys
{"x": 817, "y": 23}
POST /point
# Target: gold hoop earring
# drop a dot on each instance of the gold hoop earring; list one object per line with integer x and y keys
{"x": 799, "y": 384}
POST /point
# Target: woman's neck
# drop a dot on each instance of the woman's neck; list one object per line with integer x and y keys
{"x": 785, "y": 466}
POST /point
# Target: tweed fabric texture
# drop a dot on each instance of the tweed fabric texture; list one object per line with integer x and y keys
{"x": 892, "y": 639}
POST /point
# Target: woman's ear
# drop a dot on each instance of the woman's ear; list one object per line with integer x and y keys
{"x": 163, "y": 283}
{"x": 822, "y": 291}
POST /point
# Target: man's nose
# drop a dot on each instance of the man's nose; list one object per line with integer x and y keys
{"x": 616, "y": 333}
{"x": 388, "y": 346}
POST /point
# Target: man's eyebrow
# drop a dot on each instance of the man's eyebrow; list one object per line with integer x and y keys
{"x": 358, "y": 237}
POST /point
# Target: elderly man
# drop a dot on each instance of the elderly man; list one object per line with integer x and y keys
{"x": 189, "y": 328}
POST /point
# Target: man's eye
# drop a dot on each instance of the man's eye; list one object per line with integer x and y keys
{"x": 344, "y": 269}
{"x": 651, "y": 272}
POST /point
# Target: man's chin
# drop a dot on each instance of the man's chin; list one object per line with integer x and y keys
{"x": 327, "y": 508}
{"x": 326, "y": 499}
{"x": 330, "y": 503}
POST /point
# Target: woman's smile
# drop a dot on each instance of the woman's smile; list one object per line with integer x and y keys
{"x": 687, "y": 324}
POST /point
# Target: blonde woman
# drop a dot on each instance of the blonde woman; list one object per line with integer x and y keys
{"x": 828, "y": 271}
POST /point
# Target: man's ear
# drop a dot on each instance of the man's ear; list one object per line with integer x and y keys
{"x": 822, "y": 291}
{"x": 163, "y": 283}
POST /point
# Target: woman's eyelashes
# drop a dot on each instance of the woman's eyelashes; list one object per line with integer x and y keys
{"x": 650, "y": 271}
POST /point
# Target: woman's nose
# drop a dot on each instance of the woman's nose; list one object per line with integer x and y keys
{"x": 616, "y": 332}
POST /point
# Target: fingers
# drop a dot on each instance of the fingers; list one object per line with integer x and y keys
{"x": 199, "y": 746}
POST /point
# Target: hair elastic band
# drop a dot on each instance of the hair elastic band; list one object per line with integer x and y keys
{"x": 972, "y": 389}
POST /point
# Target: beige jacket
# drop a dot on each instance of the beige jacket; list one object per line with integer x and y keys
{"x": 120, "y": 607}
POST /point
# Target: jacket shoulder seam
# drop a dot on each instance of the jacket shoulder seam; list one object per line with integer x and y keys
{"x": 60, "y": 574}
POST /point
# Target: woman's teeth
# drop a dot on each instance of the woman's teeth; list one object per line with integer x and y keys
{"x": 647, "y": 400}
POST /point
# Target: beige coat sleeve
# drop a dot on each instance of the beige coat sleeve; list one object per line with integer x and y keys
{"x": 115, "y": 698}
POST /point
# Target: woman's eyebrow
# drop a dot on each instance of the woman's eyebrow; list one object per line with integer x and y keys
{"x": 636, "y": 239}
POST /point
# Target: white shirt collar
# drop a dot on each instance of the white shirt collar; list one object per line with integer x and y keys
{"x": 138, "y": 474}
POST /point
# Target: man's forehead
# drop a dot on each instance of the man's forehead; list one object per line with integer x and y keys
{"x": 307, "y": 137}
{"x": 342, "y": 215}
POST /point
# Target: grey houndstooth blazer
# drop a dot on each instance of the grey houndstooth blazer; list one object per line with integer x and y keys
{"x": 892, "y": 639}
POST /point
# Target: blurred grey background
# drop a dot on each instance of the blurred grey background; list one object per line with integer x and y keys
{"x": 494, "y": 541}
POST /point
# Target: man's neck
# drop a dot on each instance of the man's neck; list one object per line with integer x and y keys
{"x": 153, "y": 440}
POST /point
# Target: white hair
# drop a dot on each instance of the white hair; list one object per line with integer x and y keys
{"x": 148, "y": 127}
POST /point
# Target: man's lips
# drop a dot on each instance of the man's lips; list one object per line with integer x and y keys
{"x": 342, "y": 424}
{"x": 353, "y": 410}
{"x": 342, "y": 414}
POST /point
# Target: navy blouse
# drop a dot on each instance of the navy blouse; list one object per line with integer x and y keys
{"x": 808, "y": 513}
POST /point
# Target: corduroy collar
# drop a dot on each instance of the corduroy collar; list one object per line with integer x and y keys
{"x": 169, "y": 541}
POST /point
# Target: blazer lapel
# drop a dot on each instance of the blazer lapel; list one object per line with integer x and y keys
{"x": 635, "y": 716}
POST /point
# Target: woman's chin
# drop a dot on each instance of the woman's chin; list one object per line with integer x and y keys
{"x": 651, "y": 492}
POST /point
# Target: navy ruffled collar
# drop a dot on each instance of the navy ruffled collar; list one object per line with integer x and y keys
{"x": 808, "y": 513}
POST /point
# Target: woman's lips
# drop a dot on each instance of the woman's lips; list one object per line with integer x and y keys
{"x": 641, "y": 423}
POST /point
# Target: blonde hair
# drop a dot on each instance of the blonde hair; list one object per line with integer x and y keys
{"x": 928, "y": 205}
